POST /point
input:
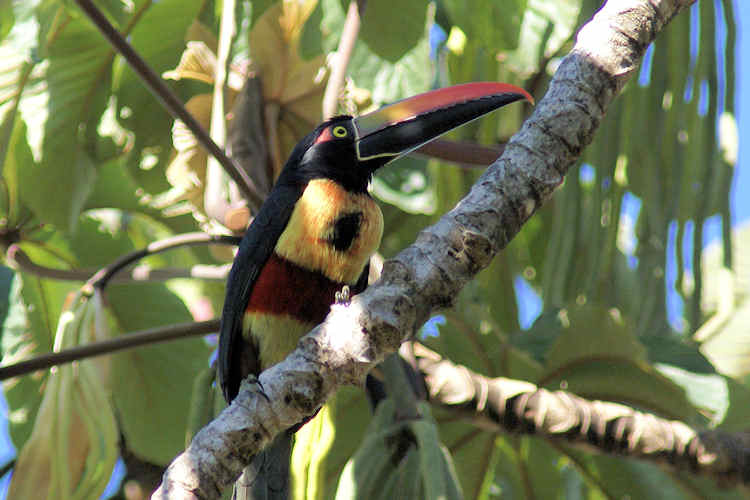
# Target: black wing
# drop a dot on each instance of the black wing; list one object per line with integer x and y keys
{"x": 236, "y": 358}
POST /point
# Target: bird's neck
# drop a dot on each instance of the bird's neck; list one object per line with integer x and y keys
{"x": 332, "y": 231}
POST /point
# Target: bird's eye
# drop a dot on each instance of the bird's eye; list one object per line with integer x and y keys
{"x": 340, "y": 131}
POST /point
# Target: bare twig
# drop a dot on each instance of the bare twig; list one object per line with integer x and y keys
{"x": 143, "y": 273}
{"x": 342, "y": 57}
{"x": 102, "y": 277}
{"x": 125, "y": 341}
{"x": 216, "y": 193}
{"x": 168, "y": 98}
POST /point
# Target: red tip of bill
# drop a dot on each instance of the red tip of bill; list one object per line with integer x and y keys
{"x": 433, "y": 100}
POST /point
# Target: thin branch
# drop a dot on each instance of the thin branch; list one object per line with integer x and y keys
{"x": 19, "y": 259}
{"x": 216, "y": 193}
{"x": 168, "y": 98}
{"x": 102, "y": 277}
{"x": 466, "y": 154}
{"x": 341, "y": 60}
{"x": 120, "y": 343}
{"x": 428, "y": 275}
{"x": 505, "y": 405}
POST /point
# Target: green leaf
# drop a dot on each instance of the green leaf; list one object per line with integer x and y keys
{"x": 707, "y": 392}
{"x": 729, "y": 348}
{"x": 407, "y": 185}
{"x": 15, "y": 155}
{"x": 64, "y": 117}
{"x": 159, "y": 38}
{"x": 6, "y": 288}
{"x": 593, "y": 332}
{"x": 351, "y": 413}
{"x": 542, "y": 465}
{"x": 154, "y": 381}
{"x": 627, "y": 478}
{"x": 259, "y": 7}
{"x": 7, "y": 18}
{"x": 496, "y": 24}
{"x": 115, "y": 188}
{"x": 311, "y": 38}
{"x": 546, "y": 26}
{"x": 437, "y": 471}
{"x": 385, "y": 456}
{"x": 674, "y": 349}
{"x": 598, "y": 357}
{"x": 391, "y": 28}
{"x": 738, "y": 413}
{"x": 387, "y": 80}
{"x": 29, "y": 330}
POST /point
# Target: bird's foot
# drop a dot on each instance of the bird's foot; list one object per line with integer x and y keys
{"x": 255, "y": 385}
{"x": 344, "y": 296}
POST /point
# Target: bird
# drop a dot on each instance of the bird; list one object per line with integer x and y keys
{"x": 313, "y": 238}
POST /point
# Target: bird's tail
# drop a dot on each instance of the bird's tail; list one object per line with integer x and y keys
{"x": 267, "y": 477}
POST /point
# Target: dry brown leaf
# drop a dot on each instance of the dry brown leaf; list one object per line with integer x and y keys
{"x": 292, "y": 87}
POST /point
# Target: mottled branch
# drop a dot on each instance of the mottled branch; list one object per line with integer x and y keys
{"x": 505, "y": 405}
{"x": 428, "y": 275}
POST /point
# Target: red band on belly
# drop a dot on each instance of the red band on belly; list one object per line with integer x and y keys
{"x": 286, "y": 288}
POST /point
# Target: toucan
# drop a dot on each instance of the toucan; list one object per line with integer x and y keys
{"x": 315, "y": 234}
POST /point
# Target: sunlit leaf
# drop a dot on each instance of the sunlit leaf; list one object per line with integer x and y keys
{"x": 66, "y": 114}
{"x": 392, "y": 28}
{"x": 497, "y": 27}
{"x": 155, "y": 380}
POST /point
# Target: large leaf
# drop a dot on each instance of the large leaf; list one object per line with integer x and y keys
{"x": 351, "y": 412}
{"x": 401, "y": 457}
{"x": 28, "y": 330}
{"x": 65, "y": 116}
{"x": 73, "y": 445}
{"x": 151, "y": 386}
{"x": 159, "y": 37}
{"x": 392, "y": 28}
{"x": 495, "y": 24}
{"x": 101, "y": 238}
{"x": 598, "y": 357}
{"x": 613, "y": 477}
{"x": 724, "y": 336}
{"x": 729, "y": 349}
{"x": 546, "y": 25}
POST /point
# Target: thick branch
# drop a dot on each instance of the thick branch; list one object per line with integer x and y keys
{"x": 429, "y": 274}
{"x": 500, "y": 404}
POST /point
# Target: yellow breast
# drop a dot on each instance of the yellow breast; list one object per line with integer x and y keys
{"x": 307, "y": 239}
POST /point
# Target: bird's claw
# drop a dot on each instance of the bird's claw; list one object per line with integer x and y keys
{"x": 344, "y": 296}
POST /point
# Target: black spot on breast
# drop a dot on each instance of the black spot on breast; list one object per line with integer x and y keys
{"x": 345, "y": 230}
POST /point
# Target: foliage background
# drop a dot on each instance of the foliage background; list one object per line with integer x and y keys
{"x": 609, "y": 281}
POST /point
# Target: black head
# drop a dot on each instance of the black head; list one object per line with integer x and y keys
{"x": 349, "y": 150}
{"x": 332, "y": 154}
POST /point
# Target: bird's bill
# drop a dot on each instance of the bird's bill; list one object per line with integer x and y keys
{"x": 394, "y": 130}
